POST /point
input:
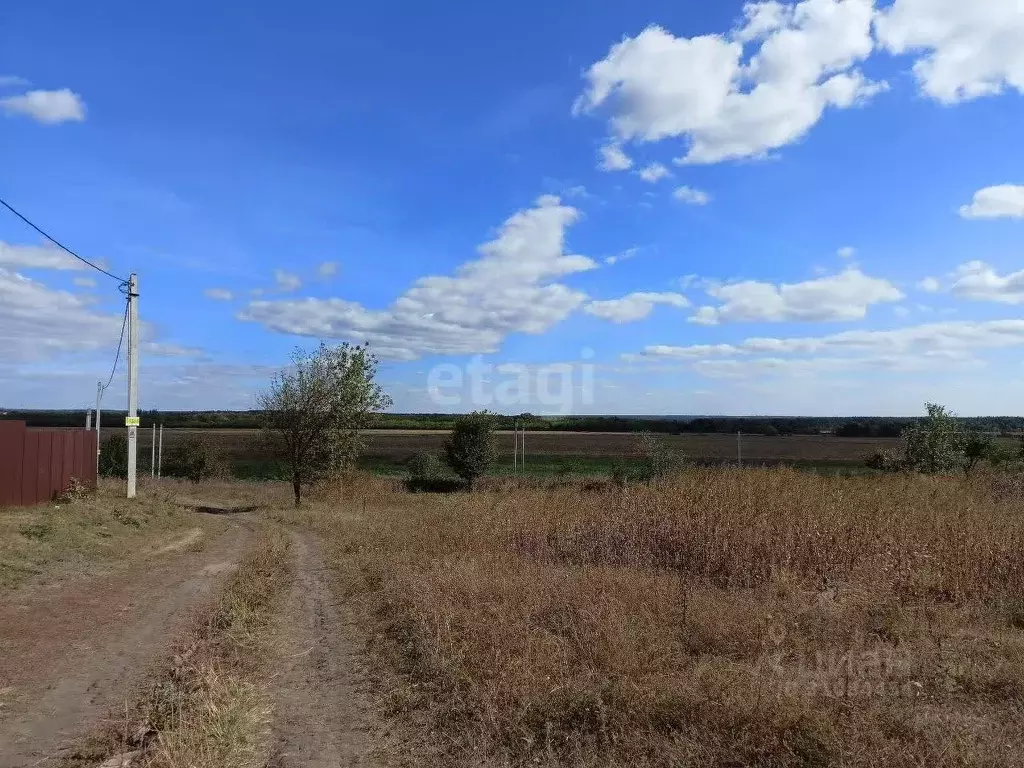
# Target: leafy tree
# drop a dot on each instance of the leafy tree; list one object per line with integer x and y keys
{"x": 313, "y": 410}
{"x": 976, "y": 448}
{"x": 936, "y": 443}
{"x": 114, "y": 456}
{"x": 468, "y": 449}
{"x": 192, "y": 458}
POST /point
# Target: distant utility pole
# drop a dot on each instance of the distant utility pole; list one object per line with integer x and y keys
{"x": 99, "y": 396}
{"x": 132, "y": 422}
{"x": 515, "y": 447}
{"x": 88, "y": 419}
{"x": 152, "y": 453}
{"x": 160, "y": 453}
{"x": 739, "y": 449}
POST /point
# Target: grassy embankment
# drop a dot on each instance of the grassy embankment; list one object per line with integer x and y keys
{"x": 720, "y": 618}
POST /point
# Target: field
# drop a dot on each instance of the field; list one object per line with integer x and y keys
{"x": 718, "y": 618}
{"x": 547, "y": 452}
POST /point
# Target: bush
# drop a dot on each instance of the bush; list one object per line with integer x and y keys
{"x": 114, "y": 457}
{"x": 468, "y": 450}
{"x": 427, "y": 473}
{"x": 191, "y": 458}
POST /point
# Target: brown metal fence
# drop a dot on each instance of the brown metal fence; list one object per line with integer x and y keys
{"x": 37, "y": 465}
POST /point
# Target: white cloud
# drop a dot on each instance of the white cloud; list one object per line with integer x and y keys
{"x": 50, "y": 107}
{"x": 965, "y": 48}
{"x": 286, "y": 281}
{"x": 510, "y": 287}
{"x": 38, "y": 323}
{"x": 634, "y": 306}
{"x": 947, "y": 340}
{"x": 930, "y": 285}
{"x": 614, "y": 159}
{"x": 654, "y": 172}
{"x": 13, "y": 81}
{"x": 1002, "y": 201}
{"x": 846, "y": 252}
{"x": 725, "y": 104}
{"x": 977, "y": 280}
{"x": 218, "y": 294}
{"x": 37, "y": 257}
{"x": 691, "y": 196}
{"x": 629, "y": 253}
{"x": 842, "y": 297}
{"x": 327, "y": 269}
{"x": 84, "y": 282}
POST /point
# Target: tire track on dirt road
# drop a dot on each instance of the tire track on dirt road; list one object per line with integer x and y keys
{"x": 323, "y": 720}
{"x": 73, "y": 652}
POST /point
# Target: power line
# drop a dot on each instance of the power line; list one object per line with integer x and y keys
{"x": 60, "y": 245}
{"x": 120, "y": 341}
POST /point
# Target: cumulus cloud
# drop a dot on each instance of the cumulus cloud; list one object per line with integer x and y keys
{"x": 842, "y": 297}
{"x": 510, "y": 287}
{"x": 726, "y": 101}
{"x": 634, "y": 306}
{"x": 930, "y": 285}
{"x": 218, "y": 294}
{"x": 614, "y": 159}
{"x": 38, "y": 323}
{"x": 327, "y": 269}
{"x": 691, "y": 196}
{"x": 846, "y": 252}
{"x": 12, "y": 81}
{"x": 37, "y": 257}
{"x": 286, "y": 281}
{"x": 978, "y": 281}
{"x": 654, "y": 172}
{"x": 49, "y": 107}
{"x": 931, "y": 346}
{"x": 964, "y": 49}
{"x": 1002, "y": 201}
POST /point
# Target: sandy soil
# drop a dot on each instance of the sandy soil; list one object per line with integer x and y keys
{"x": 74, "y": 651}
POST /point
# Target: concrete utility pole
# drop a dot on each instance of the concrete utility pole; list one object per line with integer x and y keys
{"x": 152, "y": 453}
{"x": 739, "y": 449}
{"x": 160, "y": 453}
{"x": 88, "y": 419}
{"x": 99, "y": 396}
{"x": 132, "y": 422}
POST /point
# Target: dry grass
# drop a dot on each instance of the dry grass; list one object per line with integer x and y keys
{"x": 723, "y": 618}
{"x": 211, "y": 707}
{"x": 100, "y": 527}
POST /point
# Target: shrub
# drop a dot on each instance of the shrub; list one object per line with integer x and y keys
{"x": 468, "y": 450}
{"x": 191, "y": 458}
{"x": 114, "y": 457}
{"x": 427, "y": 473}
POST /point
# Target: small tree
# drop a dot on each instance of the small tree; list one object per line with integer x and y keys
{"x": 976, "y": 448}
{"x": 468, "y": 450}
{"x": 936, "y": 443}
{"x": 313, "y": 410}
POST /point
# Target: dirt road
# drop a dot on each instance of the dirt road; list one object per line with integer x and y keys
{"x": 322, "y": 719}
{"x": 322, "y": 716}
{"x": 72, "y": 652}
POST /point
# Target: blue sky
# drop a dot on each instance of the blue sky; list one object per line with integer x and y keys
{"x": 812, "y": 208}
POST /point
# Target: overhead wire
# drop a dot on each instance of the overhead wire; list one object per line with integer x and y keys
{"x": 123, "y": 285}
{"x": 60, "y": 245}
{"x": 120, "y": 341}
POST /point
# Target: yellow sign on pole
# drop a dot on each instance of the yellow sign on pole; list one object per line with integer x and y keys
{"x": 131, "y": 421}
